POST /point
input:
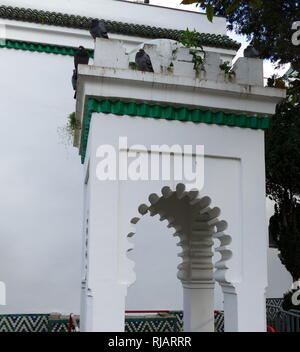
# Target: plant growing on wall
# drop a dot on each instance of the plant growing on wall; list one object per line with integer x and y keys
{"x": 227, "y": 69}
{"x": 67, "y": 132}
{"x": 190, "y": 39}
{"x": 132, "y": 65}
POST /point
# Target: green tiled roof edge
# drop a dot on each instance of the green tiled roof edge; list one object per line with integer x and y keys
{"x": 42, "y": 48}
{"x": 82, "y": 22}
{"x": 119, "y": 107}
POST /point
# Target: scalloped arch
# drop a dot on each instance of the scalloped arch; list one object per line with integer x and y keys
{"x": 196, "y": 224}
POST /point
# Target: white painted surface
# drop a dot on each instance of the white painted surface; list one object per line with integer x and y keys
{"x": 224, "y": 191}
{"x": 41, "y": 192}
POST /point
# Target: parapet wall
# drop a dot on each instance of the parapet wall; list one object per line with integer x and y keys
{"x": 171, "y": 58}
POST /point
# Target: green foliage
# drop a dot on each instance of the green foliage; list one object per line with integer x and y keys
{"x": 267, "y": 23}
{"x": 67, "y": 132}
{"x": 73, "y": 125}
{"x": 133, "y": 65}
{"x": 284, "y": 227}
{"x": 208, "y": 5}
{"x": 197, "y": 60}
{"x": 282, "y": 145}
{"x": 294, "y": 89}
{"x": 190, "y": 40}
{"x": 283, "y": 151}
{"x": 227, "y": 69}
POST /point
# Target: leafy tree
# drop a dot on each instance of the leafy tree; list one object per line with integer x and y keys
{"x": 283, "y": 181}
{"x": 283, "y": 152}
{"x": 284, "y": 227}
{"x": 267, "y": 22}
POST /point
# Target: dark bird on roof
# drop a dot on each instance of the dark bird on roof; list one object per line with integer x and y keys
{"x": 74, "y": 81}
{"x": 143, "y": 61}
{"x": 81, "y": 56}
{"x": 250, "y": 51}
{"x": 98, "y": 29}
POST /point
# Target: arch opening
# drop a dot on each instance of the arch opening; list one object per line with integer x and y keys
{"x": 196, "y": 224}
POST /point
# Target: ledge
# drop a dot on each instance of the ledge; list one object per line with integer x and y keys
{"x": 157, "y": 111}
{"x": 178, "y": 91}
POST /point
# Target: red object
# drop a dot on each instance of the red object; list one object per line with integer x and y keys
{"x": 147, "y": 311}
{"x": 153, "y": 311}
{"x": 70, "y": 325}
{"x": 270, "y": 329}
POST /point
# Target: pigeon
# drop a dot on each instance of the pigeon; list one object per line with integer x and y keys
{"x": 250, "y": 51}
{"x": 98, "y": 29}
{"x": 81, "y": 56}
{"x": 74, "y": 81}
{"x": 143, "y": 61}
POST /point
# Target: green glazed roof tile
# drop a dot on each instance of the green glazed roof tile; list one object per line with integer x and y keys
{"x": 41, "y": 48}
{"x": 82, "y": 22}
{"x": 119, "y": 107}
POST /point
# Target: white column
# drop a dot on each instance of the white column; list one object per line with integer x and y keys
{"x": 106, "y": 291}
{"x": 244, "y": 298}
{"x": 198, "y": 306}
{"x": 104, "y": 301}
{"x": 245, "y": 310}
{"x": 107, "y": 311}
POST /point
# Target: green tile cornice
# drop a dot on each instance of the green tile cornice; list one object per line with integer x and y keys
{"x": 82, "y": 22}
{"x": 118, "y": 107}
{"x": 41, "y": 48}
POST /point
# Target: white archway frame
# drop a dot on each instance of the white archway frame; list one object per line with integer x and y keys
{"x": 196, "y": 224}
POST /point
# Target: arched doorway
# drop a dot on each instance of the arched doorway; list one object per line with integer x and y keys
{"x": 197, "y": 225}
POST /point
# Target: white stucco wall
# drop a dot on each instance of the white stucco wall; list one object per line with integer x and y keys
{"x": 41, "y": 185}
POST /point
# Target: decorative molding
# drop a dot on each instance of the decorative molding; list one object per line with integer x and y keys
{"x": 41, "y": 48}
{"x": 119, "y": 107}
{"x": 41, "y": 323}
{"x": 82, "y": 22}
{"x": 195, "y": 233}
